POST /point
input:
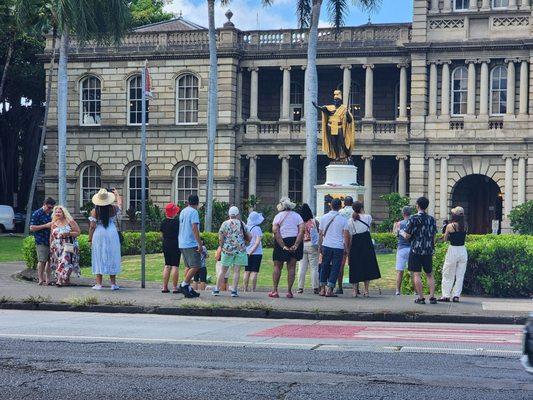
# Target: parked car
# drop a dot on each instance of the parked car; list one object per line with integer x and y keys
{"x": 7, "y": 219}
{"x": 527, "y": 358}
{"x": 20, "y": 219}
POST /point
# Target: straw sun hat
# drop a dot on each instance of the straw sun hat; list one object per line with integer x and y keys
{"x": 103, "y": 198}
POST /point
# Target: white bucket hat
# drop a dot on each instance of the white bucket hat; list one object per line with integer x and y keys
{"x": 103, "y": 198}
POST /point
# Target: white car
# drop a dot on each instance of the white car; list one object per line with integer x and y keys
{"x": 7, "y": 219}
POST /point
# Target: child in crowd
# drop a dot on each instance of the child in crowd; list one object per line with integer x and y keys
{"x": 200, "y": 279}
{"x": 170, "y": 231}
{"x": 218, "y": 268}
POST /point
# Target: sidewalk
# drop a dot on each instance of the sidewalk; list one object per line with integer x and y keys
{"x": 16, "y": 292}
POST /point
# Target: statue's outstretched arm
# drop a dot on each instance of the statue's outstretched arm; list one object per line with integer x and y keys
{"x": 322, "y": 108}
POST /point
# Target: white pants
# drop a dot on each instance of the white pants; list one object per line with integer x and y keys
{"x": 454, "y": 269}
{"x": 309, "y": 261}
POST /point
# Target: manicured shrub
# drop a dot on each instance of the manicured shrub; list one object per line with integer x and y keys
{"x": 387, "y": 240}
{"x": 268, "y": 240}
{"x": 521, "y": 218}
{"x": 210, "y": 239}
{"x": 29, "y": 253}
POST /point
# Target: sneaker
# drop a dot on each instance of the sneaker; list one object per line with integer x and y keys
{"x": 215, "y": 292}
{"x": 186, "y": 291}
{"x": 97, "y": 287}
{"x": 398, "y": 293}
{"x": 115, "y": 287}
{"x": 234, "y": 293}
{"x": 432, "y": 300}
{"x": 193, "y": 292}
{"x": 339, "y": 291}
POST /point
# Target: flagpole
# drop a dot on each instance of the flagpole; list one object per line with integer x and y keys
{"x": 143, "y": 177}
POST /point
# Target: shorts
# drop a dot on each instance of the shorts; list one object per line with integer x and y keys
{"x": 402, "y": 258}
{"x": 218, "y": 268}
{"x": 254, "y": 263}
{"x": 191, "y": 257}
{"x": 417, "y": 262}
{"x": 281, "y": 255}
{"x": 43, "y": 252}
{"x": 201, "y": 275}
{"x": 230, "y": 260}
{"x": 172, "y": 257}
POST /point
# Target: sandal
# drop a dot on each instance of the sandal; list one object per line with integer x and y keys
{"x": 354, "y": 293}
{"x": 331, "y": 294}
{"x": 316, "y": 291}
{"x": 420, "y": 300}
{"x": 432, "y": 300}
{"x": 289, "y": 295}
{"x": 300, "y": 291}
{"x": 322, "y": 293}
{"x": 444, "y": 299}
{"x": 177, "y": 290}
{"x": 274, "y": 295}
{"x": 40, "y": 283}
{"x": 165, "y": 291}
{"x": 366, "y": 294}
{"x": 455, "y": 299}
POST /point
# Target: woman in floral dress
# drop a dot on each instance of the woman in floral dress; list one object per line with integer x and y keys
{"x": 64, "y": 249}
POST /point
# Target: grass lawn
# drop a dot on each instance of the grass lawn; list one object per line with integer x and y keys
{"x": 10, "y": 248}
{"x": 131, "y": 269}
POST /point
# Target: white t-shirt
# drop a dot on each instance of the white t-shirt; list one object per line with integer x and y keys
{"x": 354, "y": 226}
{"x": 288, "y": 222}
{"x": 335, "y": 224}
{"x": 256, "y": 232}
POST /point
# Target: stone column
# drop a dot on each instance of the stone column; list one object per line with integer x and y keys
{"x": 511, "y": 77}
{"x": 286, "y": 99}
{"x": 521, "y": 199}
{"x": 485, "y": 5}
{"x": 524, "y": 87}
{"x": 239, "y": 96}
{"x": 447, "y": 6}
{"x": 252, "y": 175}
{"x": 402, "y": 113}
{"x": 473, "y": 5}
{"x": 284, "y": 174}
{"x": 346, "y": 83}
{"x": 402, "y": 175}
{"x": 432, "y": 89}
{"x": 431, "y": 185}
{"x": 305, "y": 183}
{"x": 238, "y": 180}
{"x": 508, "y": 195}
{"x": 525, "y": 5}
{"x": 369, "y": 91}
{"x": 445, "y": 89}
{"x": 367, "y": 200}
{"x": 443, "y": 190}
{"x": 434, "y": 8}
{"x": 471, "y": 99}
{"x": 512, "y": 5}
{"x": 254, "y": 93}
{"x": 484, "y": 88}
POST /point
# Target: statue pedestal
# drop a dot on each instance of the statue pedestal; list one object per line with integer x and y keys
{"x": 341, "y": 181}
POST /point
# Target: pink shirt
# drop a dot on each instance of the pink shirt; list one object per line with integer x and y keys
{"x": 288, "y": 222}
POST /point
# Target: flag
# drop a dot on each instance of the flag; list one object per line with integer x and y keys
{"x": 148, "y": 83}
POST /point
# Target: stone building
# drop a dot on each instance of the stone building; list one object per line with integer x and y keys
{"x": 444, "y": 109}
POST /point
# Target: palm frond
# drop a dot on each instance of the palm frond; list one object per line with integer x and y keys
{"x": 303, "y": 13}
{"x": 337, "y": 10}
{"x": 368, "y": 5}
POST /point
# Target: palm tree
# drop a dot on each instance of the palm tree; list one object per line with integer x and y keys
{"x": 308, "y": 12}
{"x": 212, "y": 108}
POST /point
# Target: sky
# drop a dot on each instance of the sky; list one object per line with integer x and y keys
{"x": 250, "y": 15}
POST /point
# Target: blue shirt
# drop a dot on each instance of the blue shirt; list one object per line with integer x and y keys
{"x": 186, "y": 239}
{"x": 403, "y": 243}
{"x": 39, "y": 217}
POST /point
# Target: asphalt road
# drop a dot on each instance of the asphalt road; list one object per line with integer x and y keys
{"x": 47, "y": 355}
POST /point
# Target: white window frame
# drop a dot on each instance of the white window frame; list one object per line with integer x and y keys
{"x": 95, "y": 188}
{"x": 453, "y": 91}
{"x": 128, "y": 108}
{"x": 465, "y": 6}
{"x": 499, "y": 90}
{"x": 130, "y": 187}
{"x": 502, "y": 7}
{"x": 292, "y": 191}
{"x": 187, "y": 99}
{"x": 82, "y": 100}
{"x": 189, "y": 190}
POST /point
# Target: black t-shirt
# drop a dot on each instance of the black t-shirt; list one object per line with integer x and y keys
{"x": 170, "y": 229}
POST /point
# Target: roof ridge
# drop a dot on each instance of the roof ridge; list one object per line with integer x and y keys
{"x": 180, "y": 18}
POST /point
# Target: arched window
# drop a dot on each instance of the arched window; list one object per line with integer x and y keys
{"x": 460, "y": 5}
{"x": 135, "y": 101}
{"x": 500, "y": 3}
{"x": 186, "y": 182}
{"x": 187, "y": 99}
{"x": 498, "y": 90}
{"x": 295, "y": 185}
{"x": 459, "y": 90}
{"x": 90, "y": 183}
{"x": 90, "y": 99}
{"x": 134, "y": 187}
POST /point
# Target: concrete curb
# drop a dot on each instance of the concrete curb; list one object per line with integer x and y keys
{"x": 382, "y": 316}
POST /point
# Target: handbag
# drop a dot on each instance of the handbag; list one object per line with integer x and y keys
{"x": 68, "y": 247}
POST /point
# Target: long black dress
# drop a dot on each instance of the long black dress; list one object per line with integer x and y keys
{"x": 363, "y": 262}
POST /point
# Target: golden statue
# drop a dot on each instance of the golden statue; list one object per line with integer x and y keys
{"x": 338, "y": 129}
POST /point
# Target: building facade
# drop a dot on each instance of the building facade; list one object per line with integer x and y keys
{"x": 444, "y": 108}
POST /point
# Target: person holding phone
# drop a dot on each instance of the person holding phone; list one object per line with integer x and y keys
{"x": 403, "y": 248}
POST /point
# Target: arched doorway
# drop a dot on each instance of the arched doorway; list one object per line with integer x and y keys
{"x": 481, "y": 198}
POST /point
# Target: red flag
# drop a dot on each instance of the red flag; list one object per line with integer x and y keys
{"x": 148, "y": 83}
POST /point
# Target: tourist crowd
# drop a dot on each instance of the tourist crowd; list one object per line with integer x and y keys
{"x": 321, "y": 247}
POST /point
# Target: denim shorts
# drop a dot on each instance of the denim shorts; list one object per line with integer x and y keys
{"x": 402, "y": 257}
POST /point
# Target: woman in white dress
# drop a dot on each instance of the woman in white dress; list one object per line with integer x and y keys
{"x": 104, "y": 237}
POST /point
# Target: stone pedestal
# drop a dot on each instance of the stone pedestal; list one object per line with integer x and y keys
{"x": 341, "y": 181}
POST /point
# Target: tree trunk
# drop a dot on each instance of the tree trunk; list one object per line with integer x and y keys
{"x": 62, "y": 104}
{"x": 43, "y": 135}
{"x": 9, "y": 55}
{"x": 212, "y": 111}
{"x": 311, "y": 94}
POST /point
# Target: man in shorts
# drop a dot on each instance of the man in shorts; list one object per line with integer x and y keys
{"x": 40, "y": 223}
{"x": 190, "y": 244}
{"x": 420, "y": 231}
{"x": 403, "y": 248}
